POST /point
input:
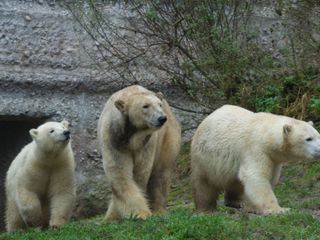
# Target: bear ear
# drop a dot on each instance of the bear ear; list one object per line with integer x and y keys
{"x": 120, "y": 105}
{"x": 65, "y": 123}
{"x": 33, "y": 133}
{"x": 287, "y": 129}
{"x": 160, "y": 95}
{"x": 311, "y": 123}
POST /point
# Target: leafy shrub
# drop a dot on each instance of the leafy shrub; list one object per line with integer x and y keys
{"x": 211, "y": 50}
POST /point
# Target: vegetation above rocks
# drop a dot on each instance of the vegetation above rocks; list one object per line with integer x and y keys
{"x": 214, "y": 50}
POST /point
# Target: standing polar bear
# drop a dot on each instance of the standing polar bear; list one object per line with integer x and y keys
{"x": 140, "y": 140}
{"x": 241, "y": 152}
{"x": 40, "y": 187}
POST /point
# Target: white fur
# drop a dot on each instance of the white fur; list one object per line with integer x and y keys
{"x": 139, "y": 168}
{"x": 233, "y": 143}
{"x": 40, "y": 185}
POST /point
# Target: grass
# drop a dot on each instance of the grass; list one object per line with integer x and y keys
{"x": 298, "y": 189}
{"x": 182, "y": 223}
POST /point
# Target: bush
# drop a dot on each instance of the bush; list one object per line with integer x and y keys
{"x": 211, "y": 50}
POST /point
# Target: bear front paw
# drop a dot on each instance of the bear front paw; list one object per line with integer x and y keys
{"x": 112, "y": 218}
{"x": 143, "y": 214}
{"x": 278, "y": 210}
{"x": 159, "y": 210}
{"x": 57, "y": 224}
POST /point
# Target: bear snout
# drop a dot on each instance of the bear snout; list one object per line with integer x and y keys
{"x": 162, "y": 120}
{"x": 67, "y": 133}
{"x": 316, "y": 155}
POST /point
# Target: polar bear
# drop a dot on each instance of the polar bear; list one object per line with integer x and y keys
{"x": 140, "y": 140}
{"x": 40, "y": 186}
{"x": 241, "y": 152}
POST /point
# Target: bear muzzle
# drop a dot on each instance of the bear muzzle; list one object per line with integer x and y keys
{"x": 67, "y": 133}
{"x": 161, "y": 120}
{"x": 316, "y": 155}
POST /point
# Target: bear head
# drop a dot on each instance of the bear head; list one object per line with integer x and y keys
{"x": 144, "y": 110}
{"x": 51, "y": 136}
{"x": 302, "y": 140}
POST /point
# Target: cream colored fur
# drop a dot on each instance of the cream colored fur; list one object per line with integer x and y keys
{"x": 241, "y": 152}
{"x": 138, "y": 156}
{"x": 40, "y": 186}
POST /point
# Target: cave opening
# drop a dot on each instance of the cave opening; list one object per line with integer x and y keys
{"x": 14, "y": 134}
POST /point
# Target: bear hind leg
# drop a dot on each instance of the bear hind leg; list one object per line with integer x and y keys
{"x": 29, "y": 207}
{"x": 158, "y": 189}
{"x": 233, "y": 195}
{"x": 160, "y": 180}
{"x": 205, "y": 195}
{"x": 13, "y": 219}
{"x": 45, "y": 213}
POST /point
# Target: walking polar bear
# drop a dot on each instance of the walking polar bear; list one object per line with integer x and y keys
{"x": 241, "y": 152}
{"x": 140, "y": 140}
{"x": 40, "y": 187}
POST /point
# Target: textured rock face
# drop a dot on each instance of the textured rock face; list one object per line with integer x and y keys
{"x": 45, "y": 74}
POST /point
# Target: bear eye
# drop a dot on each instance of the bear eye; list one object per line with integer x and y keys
{"x": 160, "y": 105}
{"x": 146, "y": 106}
{"x": 52, "y": 131}
{"x": 309, "y": 139}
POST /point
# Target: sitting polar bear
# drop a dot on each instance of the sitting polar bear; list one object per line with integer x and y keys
{"x": 241, "y": 152}
{"x": 140, "y": 140}
{"x": 40, "y": 187}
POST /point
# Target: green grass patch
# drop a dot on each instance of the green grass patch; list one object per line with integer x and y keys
{"x": 182, "y": 223}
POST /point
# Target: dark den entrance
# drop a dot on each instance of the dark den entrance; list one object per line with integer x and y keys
{"x": 14, "y": 134}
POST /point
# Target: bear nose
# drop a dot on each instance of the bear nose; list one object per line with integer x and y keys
{"x": 66, "y": 133}
{"x": 162, "y": 119}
